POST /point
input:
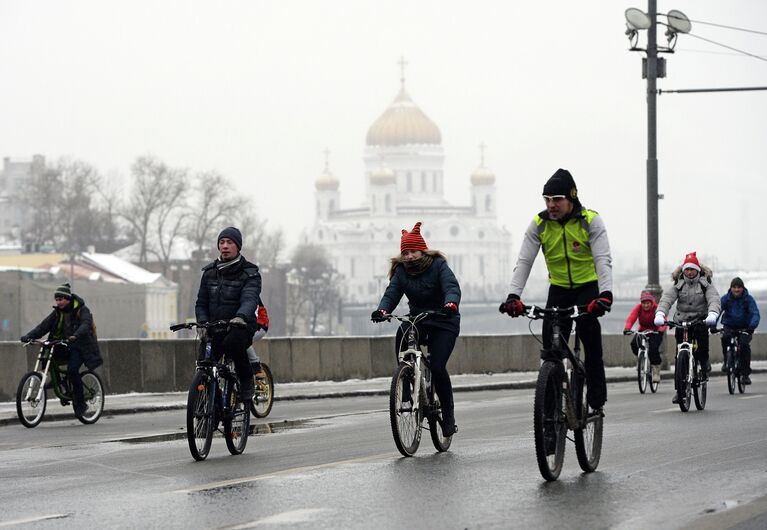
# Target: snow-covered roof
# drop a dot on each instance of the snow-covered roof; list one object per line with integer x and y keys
{"x": 121, "y": 268}
{"x": 181, "y": 251}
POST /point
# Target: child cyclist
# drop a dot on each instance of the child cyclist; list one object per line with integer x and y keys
{"x": 262, "y": 319}
{"x": 644, "y": 312}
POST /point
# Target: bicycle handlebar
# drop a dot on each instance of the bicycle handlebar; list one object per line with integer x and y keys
{"x": 206, "y": 325}
{"x": 645, "y": 332}
{"x": 416, "y": 318}
{"x": 733, "y": 331}
{"x": 533, "y": 312}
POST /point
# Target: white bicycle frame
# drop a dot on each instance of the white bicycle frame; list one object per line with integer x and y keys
{"x": 417, "y": 372}
{"x": 44, "y": 373}
{"x": 688, "y": 347}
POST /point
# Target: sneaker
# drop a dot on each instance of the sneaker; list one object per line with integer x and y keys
{"x": 449, "y": 427}
{"x": 675, "y": 399}
{"x": 745, "y": 380}
{"x": 80, "y": 409}
{"x": 656, "y": 373}
{"x": 246, "y": 391}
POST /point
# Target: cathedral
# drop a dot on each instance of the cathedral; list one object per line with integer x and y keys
{"x": 404, "y": 180}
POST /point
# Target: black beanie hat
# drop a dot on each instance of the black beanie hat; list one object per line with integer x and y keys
{"x": 233, "y": 234}
{"x": 63, "y": 291}
{"x": 561, "y": 183}
{"x": 737, "y": 282}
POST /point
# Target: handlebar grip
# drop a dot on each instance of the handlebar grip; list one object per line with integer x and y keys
{"x": 176, "y": 327}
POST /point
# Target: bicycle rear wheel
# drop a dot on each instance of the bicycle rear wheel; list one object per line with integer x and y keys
{"x": 741, "y": 386}
{"x": 549, "y": 426}
{"x": 642, "y": 371}
{"x": 700, "y": 386}
{"x": 237, "y": 422}
{"x": 405, "y": 421}
{"x": 588, "y": 439}
{"x": 93, "y": 391}
{"x": 441, "y": 442}
{"x": 200, "y": 416}
{"x": 31, "y": 400}
{"x": 263, "y": 400}
{"x": 653, "y": 385}
{"x": 683, "y": 390}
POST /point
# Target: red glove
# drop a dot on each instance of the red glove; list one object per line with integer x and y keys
{"x": 450, "y": 307}
{"x": 513, "y": 306}
{"x": 262, "y": 318}
{"x": 601, "y": 305}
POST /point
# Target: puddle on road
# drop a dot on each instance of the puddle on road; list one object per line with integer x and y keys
{"x": 255, "y": 429}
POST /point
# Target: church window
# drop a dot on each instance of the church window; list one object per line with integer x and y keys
{"x": 453, "y": 231}
{"x": 387, "y": 201}
{"x": 409, "y": 180}
{"x": 434, "y": 181}
{"x": 423, "y": 181}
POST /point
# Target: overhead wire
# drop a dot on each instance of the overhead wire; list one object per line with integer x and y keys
{"x": 726, "y": 46}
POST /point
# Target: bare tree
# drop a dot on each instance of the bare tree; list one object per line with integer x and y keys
{"x": 313, "y": 289}
{"x": 262, "y": 244}
{"x": 208, "y": 209}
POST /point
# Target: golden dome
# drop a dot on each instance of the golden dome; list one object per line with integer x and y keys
{"x": 326, "y": 182}
{"x": 482, "y": 176}
{"x": 403, "y": 123}
{"x": 383, "y": 175}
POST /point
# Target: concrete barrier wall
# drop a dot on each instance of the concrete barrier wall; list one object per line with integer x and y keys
{"x": 140, "y": 365}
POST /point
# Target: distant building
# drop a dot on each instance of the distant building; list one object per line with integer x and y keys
{"x": 14, "y": 215}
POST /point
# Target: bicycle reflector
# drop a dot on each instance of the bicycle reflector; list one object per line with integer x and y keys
{"x": 200, "y": 387}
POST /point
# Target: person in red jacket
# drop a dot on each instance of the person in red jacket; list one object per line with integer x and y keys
{"x": 645, "y": 313}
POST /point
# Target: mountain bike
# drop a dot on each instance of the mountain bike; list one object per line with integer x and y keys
{"x": 412, "y": 396}
{"x": 214, "y": 397}
{"x": 263, "y": 399}
{"x": 50, "y": 372}
{"x": 644, "y": 368}
{"x": 732, "y": 360}
{"x": 689, "y": 379}
{"x": 560, "y": 400}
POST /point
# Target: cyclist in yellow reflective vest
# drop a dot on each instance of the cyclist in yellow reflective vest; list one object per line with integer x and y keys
{"x": 577, "y": 253}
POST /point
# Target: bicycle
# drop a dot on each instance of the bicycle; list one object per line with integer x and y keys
{"x": 688, "y": 380}
{"x": 644, "y": 369}
{"x": 412, "y": 377}
{"x": 263, "y": 399}
{"x": 214, "y": 398}
{"x": 560, "y": 400}
{"x": 31, "y": 395}
{"x": 732, "y": 359}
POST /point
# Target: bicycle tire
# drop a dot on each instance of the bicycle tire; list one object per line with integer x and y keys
{"x": 441, "y": 442}
{"x": 683, "y": 389}
{"x": 732, "y": 377}
{"x": 699, "y": 390}
{"x": 263, "y": 399}
{"x": 93, "y": 391}
{"x": 200, "y": 416}
{"x": 237, "y": 422}
{"x": 588, "y": 439}
{"x": 642, "y": 372}
{"x": 549, "y": 427}
{"x": 741, "y": 386}
{"x": 653, "y": 385}
{"x": 31, "y": 411}
{"x": 405, "y": 424}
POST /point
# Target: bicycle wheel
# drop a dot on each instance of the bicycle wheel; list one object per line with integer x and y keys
{"x": 683, "y": 389}
{"x": 699, "y": 387}
{"x": 741, "y": 386}
{"x": 262, "y": 402}
{"x": 642, "y": 371}
{"x": 31, "y": 399}
{"x": 588, "y": 439}
{"x": 732, "y": 377}
{"x": 405, "y": 422}
{"x": 549, "y": 424}
{"x": 441, "y": 442}
{"x": 653, "y": 386}
{"x": 237, "y": 422}
{"x": 200, "y": 415}
{"x": 93, "y": 391}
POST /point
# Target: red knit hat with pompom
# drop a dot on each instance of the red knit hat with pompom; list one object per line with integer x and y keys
{"x": 412, "y": 240}
{"x": 691, "y": 262}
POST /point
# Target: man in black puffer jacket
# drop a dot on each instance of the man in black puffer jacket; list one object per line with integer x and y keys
{"x": 229, "y": 290}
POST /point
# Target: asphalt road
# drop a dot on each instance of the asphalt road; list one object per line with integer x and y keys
{"x": 331, "y": 463}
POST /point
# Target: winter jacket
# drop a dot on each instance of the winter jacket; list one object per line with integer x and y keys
{"x": 228, "y": 290}
{"x": 741, "y": 312}
{"x": 429, "y": 290}
{"x": 576, "y": 251}
{"x": 694, "y": 298}
{"x": 75, "y": 320}
{"x": 646, "y": 319}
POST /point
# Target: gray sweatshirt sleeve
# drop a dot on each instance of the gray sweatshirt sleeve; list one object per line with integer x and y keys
{"x": 531, "y": 243}
{"x": 600, "y": 250}
{"x": 713, "y": 300}
{"x": 670, "y": 294}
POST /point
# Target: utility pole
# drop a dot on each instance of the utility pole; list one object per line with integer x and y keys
{"x": 653, "y": 277}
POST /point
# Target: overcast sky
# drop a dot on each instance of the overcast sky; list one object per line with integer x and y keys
{"x": 257, "y": 90}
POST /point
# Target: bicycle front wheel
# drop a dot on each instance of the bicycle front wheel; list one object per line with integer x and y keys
{"x": 683, "y": 390}
{"x": 732, "y": 377}
{"x": 200, "y": 416}
{"x": 588, "y": 439}
{"x": 263, "y": 399}
{"x": 31, "y": 400}
{"x": 237, "y": 422}
{"x": 549, "y": 425}
{"x": 93, "y": 391}
{"x": 699, "y": 389}
{"x": 405, "y": 419}
{"x": 441, "y": 442}
{"x": 642, "y": 371}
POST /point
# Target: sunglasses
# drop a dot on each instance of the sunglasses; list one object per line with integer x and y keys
{"x": 548, "y": 198}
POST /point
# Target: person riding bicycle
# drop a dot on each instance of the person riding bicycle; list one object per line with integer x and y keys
{"x": 739, "y": 312}
{"x": 425, "y": 278}
{"x": 577, "y": 253}
{"x": 644, "y": 312}
{"x": 71, "y": 320}
{"x": 697, "y": 299}
{"x": 229, "y": 290}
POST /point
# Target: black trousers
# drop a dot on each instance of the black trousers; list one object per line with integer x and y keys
{"x": 745, "y": 350}
{"x": 653, "y": 347}
{"x": 700, "y": 334}
{"x": 440, "y": 343}
{"x": 235, "y": 342}
{"x": 590, "y": 333}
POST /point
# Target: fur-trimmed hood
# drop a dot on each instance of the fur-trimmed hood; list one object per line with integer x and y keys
{"x": 705, "y": 272}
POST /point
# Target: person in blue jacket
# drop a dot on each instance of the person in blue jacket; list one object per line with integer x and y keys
{"x": 739, "y": 312}
{"x": 425, "y": 278}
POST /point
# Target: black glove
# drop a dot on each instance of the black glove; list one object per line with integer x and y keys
{"x": 513, "y": 306}
{"x": 627, "y": 331}
{"x": 72, "y": 338}
{"x": 379, "y": 315}
{"x": 750, "y": 331}
{"x": 25, "y": 338}
{"x": 237, "y": 322}
{"x": 601, "y": 305}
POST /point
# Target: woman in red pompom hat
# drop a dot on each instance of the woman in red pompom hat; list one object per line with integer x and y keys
{"x": 425, "y": 278}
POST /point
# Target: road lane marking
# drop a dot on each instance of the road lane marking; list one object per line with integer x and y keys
{"x": 303, "y": 515}
{"x": 34, "y": 519}
{"x": 302, "y": 469}
{"x": 754, "y": 396}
